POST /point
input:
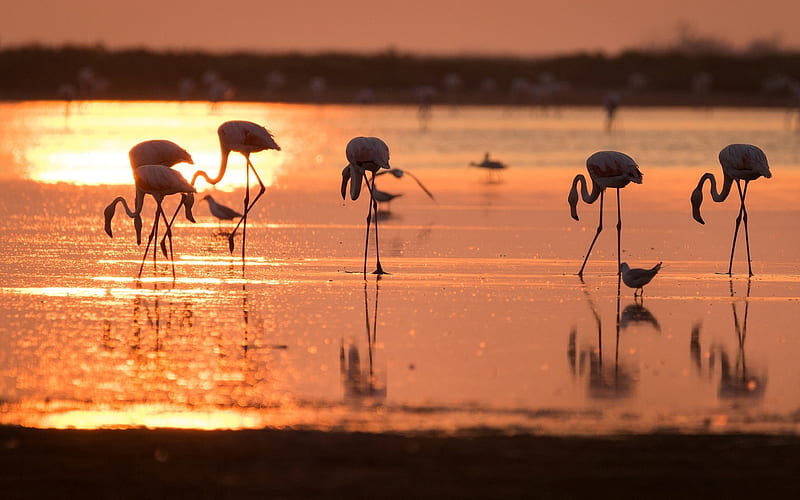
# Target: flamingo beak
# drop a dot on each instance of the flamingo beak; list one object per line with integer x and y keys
{"x": 355, "y": 187}
{"x": 697, "y": 199}
{"x": 188, "y": 203}
{"x": 345, "y": 180}
{"x": 137, "y": 224}
{"x": 108, "y": 213}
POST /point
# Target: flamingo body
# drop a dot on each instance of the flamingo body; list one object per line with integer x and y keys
{"x": 158, "y": 152}
{"x": 363, "y": 154}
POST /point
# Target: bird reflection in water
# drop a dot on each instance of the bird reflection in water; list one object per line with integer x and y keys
{"x": 605, "y": 381}
{"x": 363, "y": 384}
{"x": 637, "y": 313}
{"x": 737, "y": 379}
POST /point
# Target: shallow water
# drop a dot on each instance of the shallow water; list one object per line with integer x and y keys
{"x": 482, "y": 321}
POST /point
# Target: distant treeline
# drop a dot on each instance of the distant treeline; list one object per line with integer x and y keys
{"x": 637, "y": 77}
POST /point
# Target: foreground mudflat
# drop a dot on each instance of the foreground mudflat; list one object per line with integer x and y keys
{"x": 140, "y": 463}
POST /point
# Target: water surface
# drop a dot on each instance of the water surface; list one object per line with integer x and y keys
{"x": 482, "y": 321}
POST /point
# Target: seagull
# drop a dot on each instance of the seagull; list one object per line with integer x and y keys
{"x": 637, "y": 278}
{"x": 220, "y": 211}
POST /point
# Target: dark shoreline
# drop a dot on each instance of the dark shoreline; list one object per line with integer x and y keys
{"x": 140, "y": 463}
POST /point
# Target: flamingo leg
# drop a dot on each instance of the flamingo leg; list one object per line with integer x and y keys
{"x": 169, "y": 236}
{"x": 742, "y": 196}
{"x": 619, "y": 237}
{"x": 247, "y": 206}
{"x": 369, "y": 223}
{"x": 378, "y": 269}
{"x": 596, "y": 234}
{"x": 147, "y": 247}
{"x": 736, "y": 230}
{"x": 155, "y": 234}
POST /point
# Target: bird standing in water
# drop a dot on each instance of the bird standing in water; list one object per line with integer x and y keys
{"x": 637, "y": 278}
{"x": 220, "y": 211}
{"x": 158, "y": 181}
{"x": 156, "y": 152}
{"x": 243, "y": 137}
{"x": 365, "y": 154}
{"x": 607, "y": 169}
{"x": 740, "y": 162}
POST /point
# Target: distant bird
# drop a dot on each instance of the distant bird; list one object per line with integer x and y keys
{"x": 220, "y": 211}
{"x": 384, "y": 197}
{"x": 637, "y": 278}
{"x": 365, "y": 154}
{"x": 243, "y": 137}
{"x": 607, "y": 169}
{"x": 490, "y": 165}
{"x": 740, "y": 162}
{"x": 158, "y": 181}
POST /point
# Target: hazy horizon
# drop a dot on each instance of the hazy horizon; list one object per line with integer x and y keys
{"x": 500, "y": 28}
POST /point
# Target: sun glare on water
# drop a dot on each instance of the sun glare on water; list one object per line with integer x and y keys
{"x": 89, "y": 145}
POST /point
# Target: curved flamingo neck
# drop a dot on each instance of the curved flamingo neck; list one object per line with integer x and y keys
{"x": 718, "y": 196}
{"x": 585, "y": 195}
{"x": 223, "y": 166}
{"x": 131, "y": 213}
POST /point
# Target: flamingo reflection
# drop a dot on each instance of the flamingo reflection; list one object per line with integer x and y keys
{"x": 737, "y": 379}
{"x": 363, "y": 383}
{"x": 605, "y": 381}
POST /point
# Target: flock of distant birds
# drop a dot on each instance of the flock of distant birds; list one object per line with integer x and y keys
{"x": 152, "y": 162}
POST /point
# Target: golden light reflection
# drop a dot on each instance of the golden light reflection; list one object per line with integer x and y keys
{"x": 90, "y": 146}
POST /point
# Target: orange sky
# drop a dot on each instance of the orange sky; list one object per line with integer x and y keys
{"x": 522, "y": 27}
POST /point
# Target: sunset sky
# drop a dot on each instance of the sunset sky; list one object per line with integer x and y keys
{"x": 522, "y": 27}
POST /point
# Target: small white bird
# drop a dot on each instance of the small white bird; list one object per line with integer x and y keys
{"x": 220, "y": 211}
{"x": 637, "y": 278}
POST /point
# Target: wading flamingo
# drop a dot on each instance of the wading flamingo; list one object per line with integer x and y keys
{"x": 637, "y": 278}
{"x": 158, "y": 181}
{"x": 740, "y": 162}
{"x": 607, "y": 169}
{"x": 220, "y": 211}
{"x": 242, "y": 137}
{"x": 365, "y": 154}
{"x": 156, "y": 152}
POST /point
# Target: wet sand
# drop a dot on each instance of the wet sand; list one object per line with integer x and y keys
{"x": 164, "y": 463}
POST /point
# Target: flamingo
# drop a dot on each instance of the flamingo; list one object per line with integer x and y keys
{"x": 740, "y": 162}
{"x": 637, "y": 278}
{"x": 220, "y": 211}
{"x": 157, "y": 152}
{"x": 363, "y": 154}
{"x": 607, "y": 169}
{"x": 158, "y": 181}
{"x": 242, "y": 137}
